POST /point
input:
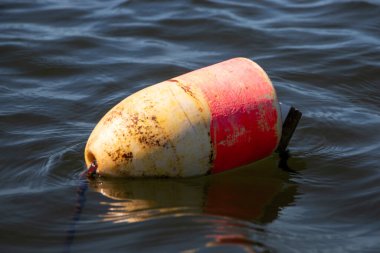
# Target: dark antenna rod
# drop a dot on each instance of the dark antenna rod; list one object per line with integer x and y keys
{"x": 288, "y": 128}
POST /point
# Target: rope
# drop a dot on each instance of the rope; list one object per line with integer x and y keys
{"x": 79, "y": 204}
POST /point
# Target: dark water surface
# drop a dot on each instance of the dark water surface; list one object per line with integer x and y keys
{"x": 63, "y": 64}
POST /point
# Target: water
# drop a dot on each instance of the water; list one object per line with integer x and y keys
{"x": 63, "y": 64}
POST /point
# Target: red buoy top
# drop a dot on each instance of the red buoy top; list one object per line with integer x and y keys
{"x": 245, "y": 115}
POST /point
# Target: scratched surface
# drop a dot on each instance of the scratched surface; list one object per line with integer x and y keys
{"x": 64, "y": 64}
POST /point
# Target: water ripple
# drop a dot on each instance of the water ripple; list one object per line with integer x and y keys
{"x": 63, "y": 65}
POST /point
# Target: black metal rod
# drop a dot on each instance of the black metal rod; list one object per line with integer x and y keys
{"x": 288, "y": 128}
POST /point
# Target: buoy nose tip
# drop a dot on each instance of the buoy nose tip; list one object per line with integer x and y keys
{"x": 89, "y": 157}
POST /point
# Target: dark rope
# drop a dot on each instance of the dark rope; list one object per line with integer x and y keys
{"x": 79, "y": 204}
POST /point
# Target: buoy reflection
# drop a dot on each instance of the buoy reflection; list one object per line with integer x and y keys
{"x": 255, "y": 192}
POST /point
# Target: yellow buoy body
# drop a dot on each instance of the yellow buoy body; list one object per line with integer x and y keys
{"x": 158, "y": 131}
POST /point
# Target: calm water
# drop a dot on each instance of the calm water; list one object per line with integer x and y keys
{"x": 63, "y": 64}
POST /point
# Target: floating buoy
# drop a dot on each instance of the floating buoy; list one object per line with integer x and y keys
{"x": 207, "y": 121}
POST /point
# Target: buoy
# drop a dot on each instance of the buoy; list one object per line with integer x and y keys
{"x": 207, "y": 121}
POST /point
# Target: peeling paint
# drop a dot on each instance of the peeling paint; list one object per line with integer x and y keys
{"x": 233, "y": 138}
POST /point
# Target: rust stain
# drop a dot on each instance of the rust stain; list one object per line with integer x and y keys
{"x": 128, "y": 155}
{"x": 184, "y": 87}
{"x": 119, "y": 156}
{"x": 187, "y": 89}
{"x": 135, "y": 119}
{"x": 116, "y": 113}
{"x": 149, "y": 132}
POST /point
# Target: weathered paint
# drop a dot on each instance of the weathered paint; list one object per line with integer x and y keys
{"x": 161, "y": 130}
{"x": 208, "y": 120}
{"x": 245, "y": 115}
